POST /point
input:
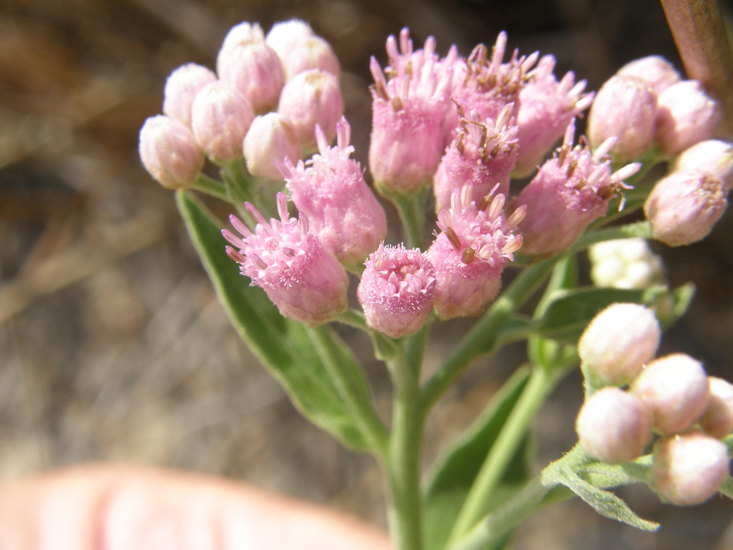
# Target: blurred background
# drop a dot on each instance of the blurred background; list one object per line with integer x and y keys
{"x": 112, "y": 344}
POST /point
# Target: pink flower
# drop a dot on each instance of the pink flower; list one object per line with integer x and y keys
{"x": 169, "y": 152}
{"x": 470, "y": 252}
{"x": 290, "y": 264}
{"x": 181, "y": 88}
{"x": 341, "y": 209}
{"x": 408, "y": 111}
{"x": 569, "y": 192}
{"x": 311, "y": 98}
{"x": 481, "y": 156}
{"x": 396, "y": 290}
{"x": 485, "y": 84}
{"x": 656, "y": 71}
{"x": 220, "y": 118}
{"x": 268, "y": 143}
{"x": 684, "y": 206}
{"x": 713, "y": 156}
{"x": 546, "y": 107}
{"x": 242, "y": 33}
{"x": 300, "y": 49}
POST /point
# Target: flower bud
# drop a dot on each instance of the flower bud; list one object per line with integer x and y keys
{"x": 312, "y": 98}
{"x": 254, "y": 70}
{"x": 396, "y": 290}
{"x": 654, "y": 70}
{"x": 169, "y": 152}
{"x": 330, "y": 189}
{"x": 220, "y": 117}
{"x": 268, "y": 143}
{"x": 685, "y": 116}
{"x": 613, "y": 426}
{"x": 181, "y": 88}
{"x": 285, "y": 36}
{"x": 242, "y": 33}
{"x": 684, "y": 206}
{"x": 676, "y": 390}
{"x": 314, "y": 53}
{"x": 626, "y": 108}
{"x": 625, "y": 263}
{"x": 717, "y": 420}
{"x": 297, "y": 273}
{"x": 617, "y": 343}
{"x": 688, "y": 469}
{"x": 712, "y": 156}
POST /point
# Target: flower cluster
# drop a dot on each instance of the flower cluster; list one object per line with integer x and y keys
{"x": 671, "y": 396}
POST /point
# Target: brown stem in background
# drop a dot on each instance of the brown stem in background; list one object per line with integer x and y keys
{"x": 700, "y": 33}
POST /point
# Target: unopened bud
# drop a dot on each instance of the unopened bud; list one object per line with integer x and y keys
{"x": 220, "y": 118}
{"x": 253, "y": 69}
{"x": 617, "y": 343}
{"x": 675, "y": 388}
{"x": 169, "y": 152}
{"x": 625, "y": 263}
{"x": 684, "y": 206}
{"x": 625, "y": 107}
{"x": 269, "y": 141}
{"x": 242, "y": 33}
{"x": 685, "y": 116}
{"x": 312, "y": 98}
{"x": 712, "y": 156}
{"x": 613, "y": 426}
{"x": 688, "y": 469}
{"x": 181, "y": 88}
{"x": 654, "y": 70}
{"x": 717, "y": 420}
{"x": 284, "y": 36}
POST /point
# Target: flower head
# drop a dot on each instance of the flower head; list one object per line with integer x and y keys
{"x": 290, "y": 264}
{"x": 480, "y": 157}
{"x": 656, "y": 71}
{"x": 408, "y": 111}
{"x": 269, "y": 142}
{"x": 396, "y": 290}
{"x": 169, "y": 152}
{"x": 181, "y": 88}
{"x": 342, "y": 210}
{"x": 469, "y": 253}
{"x": 570, "y": 190}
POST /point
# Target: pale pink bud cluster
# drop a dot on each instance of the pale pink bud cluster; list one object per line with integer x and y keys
{"x": 311, "y": 98}
{"x": 625, "y": 263}
{"x": 626, "y": 108}
{"x": 684, "y": 206}
{"x": 300, "y": 49}
{"x": 408, "y": 111}
{"x": 546, "y": 107}
{"x": 613, "y": 426}
{"x": 220, "y": 118}
{"x": 470, "y": 252}
{"x": 169, "y": 152}
{"x": 290, "y": 264}
{"x": 331, "y": 191}
{"x": 688, "y": 469}
{"x": 617, "y": 343}
{"x": 480, "y": 157}
{"x": 396, "y": 290}
{"x": 181, "y": 88}
{"x": 569, "y": 191}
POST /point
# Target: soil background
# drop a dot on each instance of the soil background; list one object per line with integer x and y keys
{"x": 113, "y": 346}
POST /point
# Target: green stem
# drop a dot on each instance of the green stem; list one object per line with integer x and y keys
{"x": 346, "y": 382}
{"x": 239, "y": 184}
{"x": 540, "y": 384}
{"x": 411, "y": 209}
{"x": 211, "y": 186}
{"x": 404, "y": 458}
{"x": 631, "y": 230}
{"x": 482, "y": 339}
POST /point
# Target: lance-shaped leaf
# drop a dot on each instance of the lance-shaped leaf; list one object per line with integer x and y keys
{"x": 283, "y": 346}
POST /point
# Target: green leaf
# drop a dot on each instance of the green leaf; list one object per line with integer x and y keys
{"x": 568, "y": 312}
{"x": 283, "y": 346}
{"x": 604, "y": 502}
{"x": 455, "y": 472}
